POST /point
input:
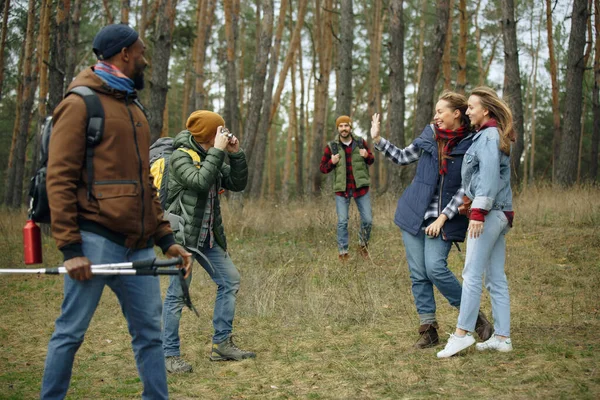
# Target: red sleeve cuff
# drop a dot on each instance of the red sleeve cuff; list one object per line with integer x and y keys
{"x": 478, "y": 214}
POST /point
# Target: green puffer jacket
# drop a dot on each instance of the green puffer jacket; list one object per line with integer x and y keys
{"x": 196, "y": 182}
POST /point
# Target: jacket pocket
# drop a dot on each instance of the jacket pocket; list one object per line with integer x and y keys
{"x": 119, "y": 203}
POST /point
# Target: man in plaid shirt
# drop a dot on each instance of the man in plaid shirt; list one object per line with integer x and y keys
{"x": 350, "y": 182}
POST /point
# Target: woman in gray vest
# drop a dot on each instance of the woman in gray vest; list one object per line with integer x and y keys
{"x": 427, "y": 211}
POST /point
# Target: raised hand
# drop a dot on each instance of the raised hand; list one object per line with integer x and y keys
{"x": 375, "y": 128}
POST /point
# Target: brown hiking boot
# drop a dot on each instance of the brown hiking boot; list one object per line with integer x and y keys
{"x": 429, "y": 336}
{"x": 483, "y": 327}
{"x": 363, "y": 251}
{"x": 344, "y": 257}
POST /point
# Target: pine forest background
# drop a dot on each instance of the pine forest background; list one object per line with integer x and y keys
{"x": 280, "y": 72}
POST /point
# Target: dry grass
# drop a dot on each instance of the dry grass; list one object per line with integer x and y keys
{"x": 327, "y": 331}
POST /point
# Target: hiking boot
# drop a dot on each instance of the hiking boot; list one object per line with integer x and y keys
{"x": 344, "y": 257}
{"x": 176, "y": 365}
{"x": 494, "y": 343}
{"x": 429, "y": 336}
{"x": 363, "y": 251}
{"x": 456, "y": 344}
{"x": 227, "y": 350}
{"x": 483, "y": 327}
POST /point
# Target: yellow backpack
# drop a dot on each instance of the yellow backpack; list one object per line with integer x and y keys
{"x": 160, "y": 153}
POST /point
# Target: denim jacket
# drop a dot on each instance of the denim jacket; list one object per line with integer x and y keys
{"x": 486, "y": 172}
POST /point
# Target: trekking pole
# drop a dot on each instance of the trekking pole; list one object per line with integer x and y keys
{"x": 140, "y": 268}
{"x": 144, "y": 267}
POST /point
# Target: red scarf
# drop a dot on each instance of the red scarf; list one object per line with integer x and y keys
{"x": 453, "y": 138}
{"x": 491, "y": 123}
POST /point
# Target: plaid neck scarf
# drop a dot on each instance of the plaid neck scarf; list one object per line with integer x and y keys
{"x": 114, "y": 77}
{"x": 491, "y": 123}
{"x": 452, "y": 138}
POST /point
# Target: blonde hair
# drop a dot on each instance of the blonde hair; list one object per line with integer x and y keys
{"x": 500, "y": 111}
{"x": 458, "y": 102}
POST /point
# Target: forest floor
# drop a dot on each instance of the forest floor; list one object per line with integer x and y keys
{"x": 326, "y": 330}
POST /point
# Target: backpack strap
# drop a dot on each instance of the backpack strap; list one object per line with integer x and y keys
{"x": 94, "y": 128}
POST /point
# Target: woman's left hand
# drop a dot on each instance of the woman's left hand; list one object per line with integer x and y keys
{"x": 475, "y": 229}
{"x": 435, "y": 227}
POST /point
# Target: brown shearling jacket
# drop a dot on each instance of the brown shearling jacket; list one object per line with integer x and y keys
{"x": 123, "y": 206}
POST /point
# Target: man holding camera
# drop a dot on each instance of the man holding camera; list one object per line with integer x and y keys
{"x": 193, "y": 200}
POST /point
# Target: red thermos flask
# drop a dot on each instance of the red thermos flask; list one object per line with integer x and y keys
{"x": 32, "y": 243}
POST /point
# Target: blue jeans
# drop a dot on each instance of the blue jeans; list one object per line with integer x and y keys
{"x": 428, "y": 265}
{"x": 342, "y": 204}
{"x": 486, "y": 256}
{"x": 140, "y": 301}
{"x": 226, "y": 276}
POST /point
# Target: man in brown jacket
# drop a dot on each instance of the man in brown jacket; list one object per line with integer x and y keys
{"x": 106, "y": 214}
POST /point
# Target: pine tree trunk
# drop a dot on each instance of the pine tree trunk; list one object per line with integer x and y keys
{"x": 3, "y": 42}
{"x": 397, "y": 98}
{"x": 447, "y": 57}
{"x": 301, "y": 133}
{"x": 420, "y": 58}
{"x": 109, "y": 17}
{"x": 344, "y": 83}
{"x": 512, "y": 84}
{"x": 14, "y": 187}
{"x": 255, "y": 173}
{"x": 231, "y": 96}
{"x": 257, "y": 92}
{"x": 58, "y": 55}
{"x": 461, "y": 79}
{"x": 323, "y": 49}
{"x": 202, "y": 41}
{"x": 125, "y": 12}
{"x": 536, "y": 58}
{"x": 596, "y": 97}
{"x": 586, "y": 58}
{"x": 567, "y": 159}
{"x": 431, "y": 62}
{"x": 73, "y": 42}
{"x": 555, "y": 88}
{"x": 160, "y": 66}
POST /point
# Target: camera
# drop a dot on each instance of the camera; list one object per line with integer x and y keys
{"x": 225, "y": 132}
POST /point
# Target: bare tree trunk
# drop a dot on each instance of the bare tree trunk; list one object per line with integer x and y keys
{"x": 586, "y": 57}
{"x": 73, "y": 42}
{"x": 555, "y": 88}
{"x": 324, "y": 54}
{"x": 301, "y": 135}
{"x": 536, "y": 58}
{"x": 397, "y": 98}
{"x": 258, "y": 80}
{"x": 431, "y": 68}
{"x": 3, "y": 42}
{"x": 421, "y": 46}
{"x": 125, "y": 12}
{"x": 567, "y": 159}
{"x": 461, "y": 79}
{"x": 202, "y": 41}
{"x": 14, "y": 187}
{"x": 596, "y": 97}
{"x": 109, "y": 17}
{"x": 159, "y": 85}
{"x": 512, "y": 84}
{"x": 292, "y": 133}
{"x": 344, "y": 84}
{"x": 447, "y": 57}
{"x": 231, "y": 95}
{"x": 58, "y": 55}
{"x": 255, "y": 175}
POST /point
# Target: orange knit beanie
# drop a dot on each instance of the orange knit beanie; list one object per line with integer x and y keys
{"x": 203, "y": 125}
{"x": 343, "y": 119}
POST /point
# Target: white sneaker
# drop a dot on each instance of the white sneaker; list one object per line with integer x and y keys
{"x": 456, "y": 344}
{"x": 494, "y": 343}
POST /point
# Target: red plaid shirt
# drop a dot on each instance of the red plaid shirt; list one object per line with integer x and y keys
{"x": 327, "y": 166}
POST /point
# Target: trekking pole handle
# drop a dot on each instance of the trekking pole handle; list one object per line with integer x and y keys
{"x": 157, "y": 263}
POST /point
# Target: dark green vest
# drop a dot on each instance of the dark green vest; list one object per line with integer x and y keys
{"x": 360, "y": 169}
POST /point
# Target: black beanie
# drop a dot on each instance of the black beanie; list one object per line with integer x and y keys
{"x": 112, "y": 38}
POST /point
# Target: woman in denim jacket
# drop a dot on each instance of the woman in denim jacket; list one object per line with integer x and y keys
{"x": 486, "y": 180}
{"x": 427, "y": 212}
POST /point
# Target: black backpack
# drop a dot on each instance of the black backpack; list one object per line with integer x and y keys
{"x": 39, "y": 210}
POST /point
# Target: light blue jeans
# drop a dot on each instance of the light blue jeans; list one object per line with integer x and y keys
{"x": 486, "y": 256}
{"x": 140, "y": 301}
{"x": 428, "y": 265}
{"x": 342, "y": 205}
{"x": 226, "y": 276}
